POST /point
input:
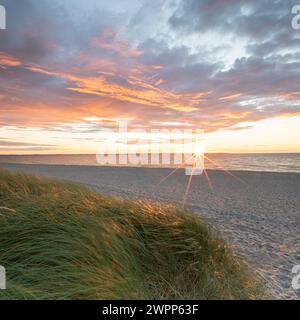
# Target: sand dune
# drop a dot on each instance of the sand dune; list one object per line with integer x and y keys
{"x": 257, "y": 211}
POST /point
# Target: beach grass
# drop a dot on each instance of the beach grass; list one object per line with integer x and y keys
{"x": 63, "y": 241}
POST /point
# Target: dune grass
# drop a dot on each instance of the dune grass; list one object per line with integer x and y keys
{"x": 62, "y": 241}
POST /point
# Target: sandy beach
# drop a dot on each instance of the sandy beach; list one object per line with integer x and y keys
{"x": 258, "y": 212}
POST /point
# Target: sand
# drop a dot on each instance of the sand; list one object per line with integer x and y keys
{"x": 258, "y": 212}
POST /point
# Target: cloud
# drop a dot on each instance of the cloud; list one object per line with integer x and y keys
{"x": 26, "y": 149}
{"x": 61, "y": 63}
{"x": 10, "y": 143}
{"x": 19, "y": 146}
{"x": 231, "y": 97}
{"x": 256, "y": 20}
{"x": 8, "y": 61}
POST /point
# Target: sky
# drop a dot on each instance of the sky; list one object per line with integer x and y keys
{"x": 70, "y": 69}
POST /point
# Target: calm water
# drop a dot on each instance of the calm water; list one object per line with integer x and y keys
{"x": 253, "y": 162}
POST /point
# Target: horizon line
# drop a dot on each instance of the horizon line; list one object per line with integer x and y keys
{"x": 171, "y": 153}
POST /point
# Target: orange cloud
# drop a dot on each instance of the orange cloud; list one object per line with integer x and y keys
{"x": 126, "y": 86}
{"x": 110, "y": 41}
{"x": 143, "y": 93}
{"x": 231, "y": 97}
{"x": 8, "y": 61}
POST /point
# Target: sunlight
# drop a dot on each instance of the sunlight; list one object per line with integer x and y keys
{"x": 199, "y": 152}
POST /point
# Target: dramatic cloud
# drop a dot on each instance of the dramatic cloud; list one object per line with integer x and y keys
{"x": 208, "y": 64}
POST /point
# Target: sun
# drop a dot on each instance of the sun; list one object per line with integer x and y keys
{"x": 199, "y": 152}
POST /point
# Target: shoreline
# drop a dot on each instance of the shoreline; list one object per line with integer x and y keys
{"x": 259, "y": 217}
{"x": 4, "y": 164}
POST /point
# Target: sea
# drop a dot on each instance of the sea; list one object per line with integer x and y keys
{"x": 269, "y": 162}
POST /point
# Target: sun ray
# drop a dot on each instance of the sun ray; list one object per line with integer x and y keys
{"x": 169, "y": 175}
{"x": 209, "y": 182}
{"x": 223, "y": 169}
{"x": 172, "y": 172}
{"x": 187, "y": 189}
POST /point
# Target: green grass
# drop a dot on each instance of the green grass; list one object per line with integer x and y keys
{"x": 62, "y": 241}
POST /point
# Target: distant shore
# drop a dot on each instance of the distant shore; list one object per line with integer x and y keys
{"x": 258, "y": 212}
